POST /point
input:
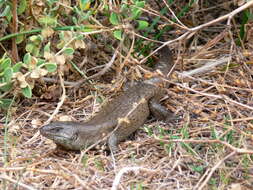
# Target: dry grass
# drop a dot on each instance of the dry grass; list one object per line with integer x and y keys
{"x": 208, "y": 147}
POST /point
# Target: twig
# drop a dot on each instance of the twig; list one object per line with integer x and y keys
{"x": 197, "y": 28}
{"x": 75, "y": 176}
{"x": 213, "y": 170}
{"x": 145, "y": 38}
{"x": 53, "y": 80}
{"x": 14, "y": 30}
{"x": 52, "y": 172}
{"x": 16, "y": 182}
{"x": 207, "y": 67}
{"x": 241, "y": 119}
{"x": 215, "y": 84}
{"x": 65, "y": 46}
{"x": 103, "y": 71}
{"x": 124, "y": 170}
{"x": 185, "y": 27}
{"x": 237, "y": 150}
{"x": 210, "y": 44}
{"x": 213, "y": 95}
{"x": 183, "y": 36}
{"x": 127, "y": 56}
{"x": 63, "y": 97}
{"x": 224, "y": 17}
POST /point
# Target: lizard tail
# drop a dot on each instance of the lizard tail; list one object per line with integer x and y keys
{"x": 166, "y": 62}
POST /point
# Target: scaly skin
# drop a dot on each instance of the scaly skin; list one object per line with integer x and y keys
{"x": 118, "y": 118}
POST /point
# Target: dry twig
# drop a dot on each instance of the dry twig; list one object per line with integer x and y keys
{"x": 193, "y": 30}
{"x": 237, "y": 150}
{"x": 63, "y": 97}
{"x": 197, "y": 187}
{"x": 16, "y": 182}
{"x": 124, "y": 170}
{"x": 100, "y": 73}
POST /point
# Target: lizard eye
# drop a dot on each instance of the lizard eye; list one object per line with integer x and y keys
{"x": 56, "y": 129}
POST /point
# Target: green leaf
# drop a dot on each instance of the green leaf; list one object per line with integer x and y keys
{"x": 87, "y": 30}
{"x": 36, "y": 51}
{"x": 75, "y": 20}
{"x": 5, "y": 103}
{"x": 69, "y": 51}
{"x": 84, "y": 4}
{"x": 118, "y": 34}
{"x": 27, "y": 58}
{"x": 114, "y": 19}
{"x": 17, "y": 67}
{"x": 79, "y": 37}
{"x": 48, "y": 21}
{"x": 6, "y": 11}
{"x": 40, "y": 62}
{"x": 22, "y": 6}
{"x": 6, "y": 87}
{"x": 5, "y": 64}
{"x": 61, "y": 35}
{"x": 124, "y": 7}
{"x": 19, "y": 39}
{"x": 142, "y": 24}
{"x": 47, "y": 47}
{"x": 198, "y": 169}
{"x": 36, "y": 39}
{"x": 136, "y": 12}
{"x": 51, "y": 67}
{"x": 8, "y": 74}
{"x": 33, "y": 38}
{"x": 30, "y": 47}
{"x": 140, "y": 4}
{"x": 27, "y": 91}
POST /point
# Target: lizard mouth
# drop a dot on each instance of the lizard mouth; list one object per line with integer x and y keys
{"x": 52, "y": 136}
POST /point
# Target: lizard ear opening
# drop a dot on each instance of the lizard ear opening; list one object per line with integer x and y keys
{"x": 74, "y": 136}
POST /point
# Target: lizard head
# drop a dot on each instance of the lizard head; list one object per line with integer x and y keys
{"x": 64, "y": 134}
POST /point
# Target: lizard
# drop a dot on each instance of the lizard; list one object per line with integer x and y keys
{"x": 118, "y": 118}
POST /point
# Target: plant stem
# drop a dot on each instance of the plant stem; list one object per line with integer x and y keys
{"x": 39, "y": 30}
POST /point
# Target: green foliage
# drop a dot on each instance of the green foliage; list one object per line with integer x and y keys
{"x": 84, "y": 4}
{"x": 128, "y": 13}
{"x": 39, "y": 60}
{"x": 27, "y": 91}
{"x": 22, "y": 6}
{"x": 68, "y": 51}
{"x": 9, "y": 73}
{"x": 99, "y": 164}
{"x": 5, "y": 103}
{"x": 48, "y": 21}
{"x": 114, "y": 18}
{"x": 118, "y": 34}
{"x": 84, "y": 160}
{"x": 148, "y": 130}
{"x": 142, "y": 24}
{"x": 137, "y": 186}
{"x": 246, "y": 17}
{"x": 197, "y": 168}
{"x": 51, "y": 67}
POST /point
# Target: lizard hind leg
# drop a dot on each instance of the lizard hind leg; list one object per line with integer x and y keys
{"x": 159, "y": 111}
